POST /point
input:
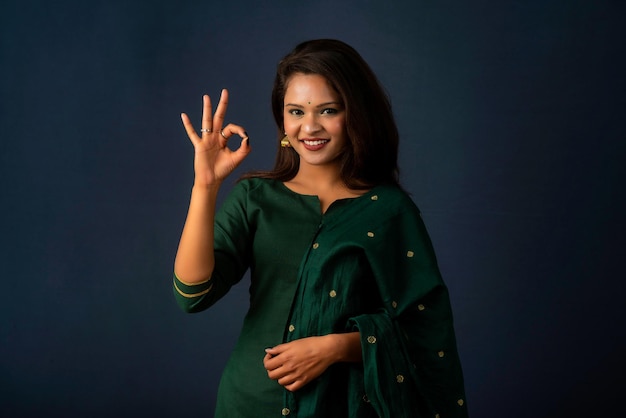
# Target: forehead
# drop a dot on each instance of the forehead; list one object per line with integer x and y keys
{"x": 309, "y": 87}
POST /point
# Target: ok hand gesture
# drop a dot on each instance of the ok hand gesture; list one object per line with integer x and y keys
{"x": 213, "y": 160}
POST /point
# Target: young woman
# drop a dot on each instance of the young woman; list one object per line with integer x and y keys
{"x": 348, "y": 316}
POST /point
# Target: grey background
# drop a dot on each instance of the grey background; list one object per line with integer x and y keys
{"x": 512, "y": 123}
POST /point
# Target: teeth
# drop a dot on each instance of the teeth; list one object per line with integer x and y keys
{"x": 314, "y": 143}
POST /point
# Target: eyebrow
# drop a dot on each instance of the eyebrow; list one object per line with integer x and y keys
{"x": 318, "y": 106}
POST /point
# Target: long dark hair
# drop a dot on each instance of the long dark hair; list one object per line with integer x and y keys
{"x": 371, "y": 157}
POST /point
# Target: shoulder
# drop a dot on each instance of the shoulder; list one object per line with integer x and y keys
{"x": 256, "y": 192}
{"x": 245, "y": 198}
{"x": 392, "y": 201}
{"x": 251, "y": 186}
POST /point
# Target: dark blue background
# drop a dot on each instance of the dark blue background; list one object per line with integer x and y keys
{"x": 511, "y": 115}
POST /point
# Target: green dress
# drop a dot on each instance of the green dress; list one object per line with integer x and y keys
{"x": 364, "y": 265}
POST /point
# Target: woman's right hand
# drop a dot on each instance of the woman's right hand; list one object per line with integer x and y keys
{"x": 213, "y": 160}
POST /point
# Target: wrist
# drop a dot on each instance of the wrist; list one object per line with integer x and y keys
{"x": 201, "y": 187}
{"x": 345, "y": 347}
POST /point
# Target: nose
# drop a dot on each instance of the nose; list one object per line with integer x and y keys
{"x": 310, "y": 124}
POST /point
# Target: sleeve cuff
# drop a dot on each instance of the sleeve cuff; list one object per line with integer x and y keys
{"x": 191, "y": 290}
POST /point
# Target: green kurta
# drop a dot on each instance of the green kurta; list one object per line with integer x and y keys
{"x": 365, "y": 265}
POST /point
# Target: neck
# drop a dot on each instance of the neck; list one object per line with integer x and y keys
{"x": 322, "y": 181}
{"x": 319, "y": 178}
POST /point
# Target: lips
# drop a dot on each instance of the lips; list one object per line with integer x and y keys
{"x": 314, "y": 144}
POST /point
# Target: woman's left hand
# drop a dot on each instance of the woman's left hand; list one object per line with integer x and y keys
{"x": 296, "y": 363}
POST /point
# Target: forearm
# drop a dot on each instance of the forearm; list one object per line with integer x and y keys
{"x": 195, "y": 257}
{"x": 346, "y": 347}
{"x": 296, "y": 363}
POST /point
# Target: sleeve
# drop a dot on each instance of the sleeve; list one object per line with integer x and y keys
{"x": 233, "y": 243}
{"x": 411, "y": 366}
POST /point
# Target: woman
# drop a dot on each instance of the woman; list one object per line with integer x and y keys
{"x": 348, "y": 314}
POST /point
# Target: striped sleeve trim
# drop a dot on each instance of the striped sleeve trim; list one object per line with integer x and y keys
{"x": 192, "y": 290}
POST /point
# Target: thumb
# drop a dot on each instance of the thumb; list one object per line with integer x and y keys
{"x": 242, "y": 152}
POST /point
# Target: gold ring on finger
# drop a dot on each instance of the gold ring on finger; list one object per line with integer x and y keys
{"x": 222, "y": 133}
{"x": 207, "y": 130}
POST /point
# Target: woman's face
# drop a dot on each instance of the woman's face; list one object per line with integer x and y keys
{"x": 314, "y": 119}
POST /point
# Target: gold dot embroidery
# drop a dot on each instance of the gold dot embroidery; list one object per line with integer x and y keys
{"x": 421, "y": 307}
{"x": 375, "y": 197}
{"x": 370, "y": 234}
{"x": 291, "y": 328}
{"x": 332, "y": 293}
{"x": 316, "y": 246}
{"x": 460, "y": 402}
{"x": 400, "y": 378}
{"x": 410, "y": 254}
{"x": 371, "y": 339}
{"x": 441, "y": 354}
{"x": 394, "y": 304}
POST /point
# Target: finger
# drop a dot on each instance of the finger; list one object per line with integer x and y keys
{"x": 266, "y": 361}
{"x": 191, "y": 132}
{"x": 240, "y": 153}
{"x": 294, "y": 386}
{"x": 281, "y": 373}
{"x": 276, "y": 374}
{"x": 231, "y": 129}
{"x": 220, "y": 112}
{"x": 276, "y": 350}
{"x": 207, "y": 118}
{"x": 271, "y": 363}
{"x": 287, "y": 380}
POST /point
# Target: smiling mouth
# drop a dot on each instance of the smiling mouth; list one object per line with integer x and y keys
{"x": 316, "y": 142}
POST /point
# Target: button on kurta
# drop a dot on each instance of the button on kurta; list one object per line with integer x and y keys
{"x": 291, "y": 328}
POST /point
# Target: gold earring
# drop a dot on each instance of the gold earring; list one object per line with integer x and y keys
{"x": 285, "y": 142}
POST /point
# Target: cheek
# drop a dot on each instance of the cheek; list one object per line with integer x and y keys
{"x": 287, "y": 125}
{"x": 338, "y": 127}
{"x": 290, "y": 129}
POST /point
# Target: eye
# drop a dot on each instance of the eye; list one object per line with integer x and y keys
{"x": 329, "y": 111}
{"x": 295, "y": 112}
